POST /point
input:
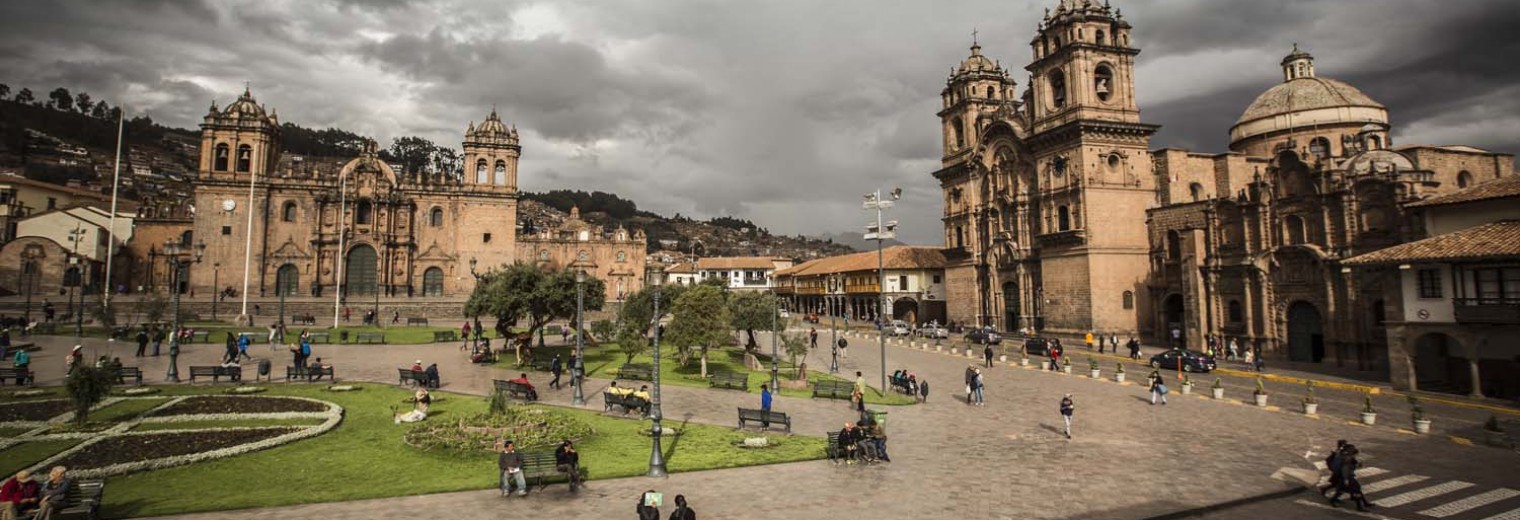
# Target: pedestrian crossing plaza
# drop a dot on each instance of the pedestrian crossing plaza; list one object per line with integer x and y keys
{"x": 1413, "y": 496}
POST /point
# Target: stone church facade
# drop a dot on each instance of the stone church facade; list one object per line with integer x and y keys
{"x": 361, "y": 227}
{"x": 1059, "y": 217}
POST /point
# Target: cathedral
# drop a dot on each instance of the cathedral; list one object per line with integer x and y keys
{"x": 307, "y": 226}
{"x": 1058, "y": 216}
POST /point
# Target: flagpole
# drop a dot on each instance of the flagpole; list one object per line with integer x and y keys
{"x": 105, "y": 296}
{"x": 253, "y": 177}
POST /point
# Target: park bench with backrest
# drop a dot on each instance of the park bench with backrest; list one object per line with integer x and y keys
{"x": 319, "y": 337}
{"x": 416, "y": 321}
{"x": 541, "y": 364}
{"x": 302, "y": 320}
{"x": 764, "y": 417}
{"x": 900, "y": 384}
{"x": 513, "y": 389}
{"x": 122, "y": 373}
{"x": 199, "y": 336}
{"x": 216, "y": 373}
{"x": 410, "y": 377}
{"x": 628, "y": 402}
{"x": 19, "y": 375}
{"x": 82, "y": 500}
{"x": 730, "y": 380}
{"x": 832, "y": 448}
{"x": 309, "y": 373}
{"x": 540, "y": 467}
{"x": 833, "y": 389}
{"x": 441, "y": 336}
{"x": 369, "y": 337}
{"x": 640, "y": 372}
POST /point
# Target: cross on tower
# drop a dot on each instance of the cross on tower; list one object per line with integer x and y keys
{"x": 973, "y": 36}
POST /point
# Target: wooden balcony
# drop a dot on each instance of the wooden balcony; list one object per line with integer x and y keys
{"x": 1488, "y": 311}
{"x": 868, "y": 288}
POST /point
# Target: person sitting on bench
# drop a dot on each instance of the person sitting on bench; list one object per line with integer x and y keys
{"x": 568, "y": 461}
{"x": 847, "y": 440}
{"x": 315, "y": 370}
{"x": 432, "y": 376}
{"x": 614, "y": 389}
{"x": 522, "y": 379}
{"x": 643, "y": 393}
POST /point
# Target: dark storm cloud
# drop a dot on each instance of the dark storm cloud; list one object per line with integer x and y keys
{"x": 784, "y": 112}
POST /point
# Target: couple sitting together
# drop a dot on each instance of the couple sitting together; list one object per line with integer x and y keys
{"x": 642, "y": 394}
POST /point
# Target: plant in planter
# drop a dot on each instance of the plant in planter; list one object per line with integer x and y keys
{"x": 1493, "y": 432}
{"x": 1369, "y": 414}
{"x": 1311, "y": 404}
{"x": 1119, "y": 373}
{"x": 1217, "y": 388}
{"x": 1417, "y": 414}
{"x": 1187, "y": 385}
{"x": 1092, "y": 367}
{"x": 1066, "y": 365}
{"x": 1260, "y": 393}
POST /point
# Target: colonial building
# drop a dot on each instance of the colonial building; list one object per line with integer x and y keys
{"x": 61, "y": 249}
{"x": 850, "y": 285}
{"x": 364, "y": 228}
{"x": 741, "y": 273}
{"x": 1044, "y": 193}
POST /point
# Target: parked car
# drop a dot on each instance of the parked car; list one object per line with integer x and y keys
{"x": 1191, "y": 361}
{"x": 987, "y": 335}
{"x": 1036, "y": 347}
{"x": 933, "y": 331}
{"x": 899, "y": 328}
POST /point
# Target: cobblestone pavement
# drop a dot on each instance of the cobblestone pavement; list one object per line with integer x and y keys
{"x": 1007, "y": 459}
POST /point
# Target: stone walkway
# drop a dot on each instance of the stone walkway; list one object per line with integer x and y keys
{"x": 1003, "y": 460}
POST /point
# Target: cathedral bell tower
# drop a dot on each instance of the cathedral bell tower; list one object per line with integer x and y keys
{"x": 490, "y": 155}
{"x": 977, "y": 87}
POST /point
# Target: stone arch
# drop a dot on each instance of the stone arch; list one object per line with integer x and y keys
{"x": 1172, "y": 314}
{"x": 432, "y": 282}
{"x": 905, "y": 309}
{"x": 287, "y": 280}
{"x": 1011, "y": 314}
{"x": 1306, "y": 332}
{"x": 360, "y": 268}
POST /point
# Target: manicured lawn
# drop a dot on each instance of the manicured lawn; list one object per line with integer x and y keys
{"x": 12, "y": 432}
{"x": 16, "y": 457}
{"x": 364, "y": 457}
{"x": 603, "y": 362}
{"x": 124, "y": 410}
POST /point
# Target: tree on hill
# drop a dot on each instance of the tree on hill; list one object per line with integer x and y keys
{"x": 525, "y": 292}
{"x": 101, "y": 110}
{"x": 82, "y": 102}
{"x": 330, "y": 142}
{"x": 412, "y": 152}
{"x": 701, "y": 321}
{"x": 24, "y": 96}
{"x": 61, "y": 99}
{"x": 5, "y": 90}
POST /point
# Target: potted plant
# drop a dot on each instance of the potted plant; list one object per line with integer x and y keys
{"x": 1023, "y": 359}
{"x": 1494, "y": 433}
{"x": 1369, "y": 414}
{"x": 1311, "y": 404}
{"x": 1066, "y": 365}
{"x": 1092, "y": 367}
{"x": 1417, "y": 414}
{"x": 1119, "y": 373}
{"x": 1187, "y": 385}
{"x": 1260, "y": 393}
{"x": 1218, "y": 389}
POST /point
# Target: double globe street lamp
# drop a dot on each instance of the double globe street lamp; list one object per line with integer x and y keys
{"x": 578, "y": 372}
{"x": 179, "y": 256}
{"x": 656, "y": 456}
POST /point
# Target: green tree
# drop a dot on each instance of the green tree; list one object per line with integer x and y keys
{"x": 636, "y": 318}
{"x": 86, "y": 386}
{"x": 100, "y": 110}
{"x": 24, "y": 96}
{"x": 61, "y": 99}
{"x": 603, "y": 330}
{"x": 412, "y": 152}
{"x": 5, "y": 90}
{"x": 700, "y": 320}
{"x": 797, "y": 348}
{"x": 525, "y": 292}
{"x": 751, "y": 311}
{"x": 152, "y": 306}
{"x": 82, "y": 102}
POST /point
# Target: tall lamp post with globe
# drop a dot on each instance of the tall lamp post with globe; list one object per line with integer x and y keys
{"x": 179, "y": 257}
{"x": 656, "y": 457}
{"x": 578, "y": 372}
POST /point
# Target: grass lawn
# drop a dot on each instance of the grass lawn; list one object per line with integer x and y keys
{"x": 604, "y": 360}
{"x": 364, "y": 457}
{"x": 16, "y": 457}
{"x": 12, "y": 432}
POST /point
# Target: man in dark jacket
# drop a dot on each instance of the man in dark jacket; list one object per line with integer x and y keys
{"x": 1333, "y": 463}
{"x": 847, "y": 440}
{"x": 432, "y": 376}
{"x": 568, "y": 461}
{"x": 142, "y": 342}
{"x": 510, "y": 463}
{"x": 556, "y": 367}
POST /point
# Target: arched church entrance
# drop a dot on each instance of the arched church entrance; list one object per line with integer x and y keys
{"x": 359, "y": 270}
{"x": 1011, "y": 306}
{"x": 1171, "y": 315}
{"x": 1306, "y": 337}
{"x": 905, "y": 309}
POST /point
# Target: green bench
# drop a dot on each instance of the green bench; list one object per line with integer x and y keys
{"x": 416, "y": 321}
{"x": 541, "y": 364}
{"x": 83, "y": 500}
{"x": 730, "y": 380}
{"x": 640, "y": 372}
{"x": 21, "y": 376}
{"x": 833, "y": 389}
{"x": 199, "y": 336}
{"x": 369, "y": 337}
{"x": 417, "y": 377}
{"x": 514, "y": 389}
{"x": 216, "y": 373}
{"x": 628, "y": 402}
{"x": 539, "y": 467}
{"x": 309, "y": 373}
{"x": 764, "y": 417}
{"x": 122, "y": 373}
{"x": 319, "y": 337}
{"x": 440, "y": 336}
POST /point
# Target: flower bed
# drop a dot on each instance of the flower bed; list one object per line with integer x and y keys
{"x": 213, "y": 405}
{"x": 140, "y": 390}
{"x": 533, "y": 428}
{"x": 244, "y": 390}
{"x": 124, "y": 449}
{"x": 34, "y": 410}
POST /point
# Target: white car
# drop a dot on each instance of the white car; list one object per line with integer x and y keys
{"x": 899, "y": 328}
{"x": 934, "y": 332}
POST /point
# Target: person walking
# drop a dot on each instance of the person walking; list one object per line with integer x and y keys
{"x": 977, "y": 384}
{"x": 1134, "y": 348}
{"x": 1102, "y": 339}
{"x": 1261, "y": 362}
{"x": 844, "y": 348}
{"x": 683, "y": 512}
{"x": 510, "y": 463}
{"x": 1158, "y": 387}
{"x": 1089, "y": 339}
{"x": 987, "y": 353}
{"x": 158, "y": 339}
{"x": 556, "y": 367}
{"x": 1333, "y": 463}
{"x": 230, "y": 352}
{"x": 813, "y": 337}
{"x": 859, "y": 394}
{"x": 648, "y": 507}
{"x": 142, "y": 342}
{"x": 242, "y": 352}
{"x": 1067, "y": 407}
{"x": 923, "y": 390}
{"x": 1349, "y": 483}
{"x": 970, "y": 380}
{"x": 1234, "y": 351}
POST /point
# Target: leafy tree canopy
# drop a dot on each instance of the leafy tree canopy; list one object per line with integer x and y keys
{"x": 700, "y": 319}
{"x": 524, "y": 292}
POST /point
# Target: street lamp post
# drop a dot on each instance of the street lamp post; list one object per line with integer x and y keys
{"x": 881, "y": 231}
{"x": 579, "y": 398}
{"x": 832, "y": 303}
{"x": 775, "y": 334}
{"x": 174, "y": 254}
{"x": 656, "y": 456}
{"x": 216, "y": 287}
{"x": 29, "y": 271}
{"x": 77, "y": 285}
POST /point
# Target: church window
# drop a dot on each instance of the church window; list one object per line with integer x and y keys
{"x": 485, "y": 238}
{"x": 1293, "y": 230}
{"x": 1196, "y": 190}
{"x": 960, "y": 237}
{"x": 1464, "y": 179}
{"x": 220, "y": 158}
{"x": 1374, "y": 142}
{"x": 288, "y": 212}
{"x": 501, "y": 173}
{"x": 1173, "y": 245}
{"x": 622, "y": 257}
{"x": 432, "y": 282}
{"x": 1079, "y": 33}
{"x": 1236, "y": 314}
{"x": 184, "y": 238}
{"x": 960, "y": 137}
{"x": 1057, "y": 88}
{"x": 1101, "y": 39}
{"x": 482, "y": 172}
{"x": 363, "y": 212}
{"x": 1319, "y": 147}
{"x": 226, "y": 230}
{"x": 991, "y": 92}
{"x": 1113, "y": 161}
{"x": 1129, "y": 300}
{"x": 1103, "y": 82}
{"x": 244, "y": 158}
{"x": 1063, "y": 218}
{"x": 435, "y": 217}
{"x": 543, "y": 255}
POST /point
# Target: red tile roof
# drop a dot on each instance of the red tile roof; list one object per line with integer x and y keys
{"x": 1489, "y": 241}
{"x": 1503, "y": 187}
{"x": 895, "y": 257}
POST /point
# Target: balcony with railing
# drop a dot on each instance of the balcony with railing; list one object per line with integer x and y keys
{"x": 1489, "y": 311}
{"x": 863, "y": 288}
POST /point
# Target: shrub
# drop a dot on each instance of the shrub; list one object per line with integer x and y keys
{"x": 87, "y": 385}
{"x": 1416, "y": 411}
{"x": 1120, "y": 370}
{"x": 1261, "y": 389}
{"x": 1092, "y": 364}
{"x": 1217, "y": 383}
{"x": 1367, "y": 404}
{"x": 1309, "y": 393}
{"x": 528, "y": 428}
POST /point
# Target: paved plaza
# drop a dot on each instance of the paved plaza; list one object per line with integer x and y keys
{"x": 1007, "y": 459}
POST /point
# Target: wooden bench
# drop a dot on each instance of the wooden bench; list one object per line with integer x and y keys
{"x": 199, "y": 336}
{"x": 18, "y": 347}
{"x": 22, "y": 376}
{"x": 312, "y": 373}
{"x": 640, "y": 372}
{"x": 319, "y": 337}
{"x": 369, "y": 337}
{"x": 539, "y": 467}
{"x": 764, "y": 417}
{"x": 832, "y": 448}
{"x": 541, "y": 364}
{"x": 216, "y": 373}
{"x": 416, "y": 321}
{"x": 413, "y": 377}
{"x": 627, "y": 401}
{"x": 440, "y": 336}
{"x": 303, "y": 320}
{"x": 123, "y": 373}
{"x": 514, "y": 389}
{"x": 83, "y": 500}
{"x": 833, "y": 389}
{"x": 121, "y": 332}
{"x": 730, "y": 380}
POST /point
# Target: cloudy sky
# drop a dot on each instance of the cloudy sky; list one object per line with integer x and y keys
{"x": 780, "y": 111}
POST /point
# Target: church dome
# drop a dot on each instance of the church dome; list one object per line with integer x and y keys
{"x": 1306, "y": 93}
{"x": 492, "y": 125}
{"x": 245, "y": 106}
{"x": 1304, "y": 100}
{"x": 976, "y": 62}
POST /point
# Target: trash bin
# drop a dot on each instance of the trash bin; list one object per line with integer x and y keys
{"x": 879, "y": 416}
{"x": 264, "y": 369}
{"x": 342, "y": 336}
